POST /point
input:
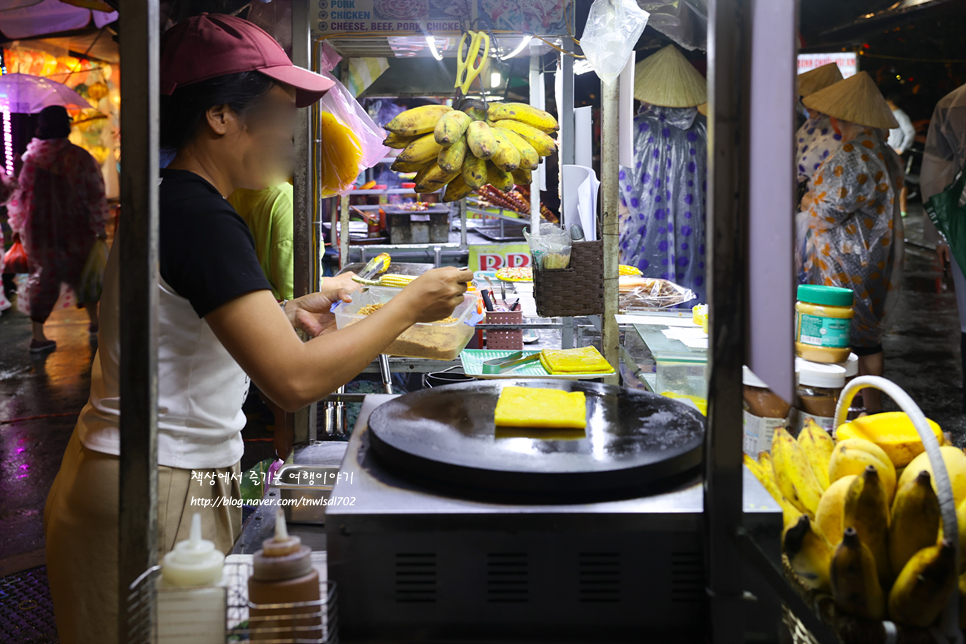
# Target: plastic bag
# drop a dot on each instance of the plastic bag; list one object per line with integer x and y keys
{"x": 613, "y": 27}
{"x": 551, "y": 250}
{"x": 15, "y": 261}
{"x": 639, "y": 293}
{"x": 66, "y": 300}
{"x": 339, "y": 102}
{"x": 92, "y": 276}
{"x": 947, "y": 210}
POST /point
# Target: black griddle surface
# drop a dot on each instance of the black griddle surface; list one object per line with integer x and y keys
{"x": 447, "y": 435}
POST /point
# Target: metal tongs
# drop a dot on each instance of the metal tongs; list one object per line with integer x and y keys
{"x": 509, "y": 363}
{"x": 376, "y": 266}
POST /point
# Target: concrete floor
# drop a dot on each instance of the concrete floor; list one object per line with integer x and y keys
{"x": 40, "y": 396}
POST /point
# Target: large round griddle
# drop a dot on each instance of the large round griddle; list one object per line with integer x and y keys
{"x": 447, "y": 435}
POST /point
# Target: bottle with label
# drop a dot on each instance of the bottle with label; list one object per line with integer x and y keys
{"x": 819, "y": 388}
{"x": 192, "y": 594}
{"x": 763, "y": 413}
{"x": 823, "y": 323}
{"x": 283, "y": 574}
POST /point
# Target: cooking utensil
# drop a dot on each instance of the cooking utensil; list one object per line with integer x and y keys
{"x": 530, "y": 336}
{"x": 576, "y": 233}
{"x": 501, "y": 365}
{"x": 487, "y": 301}
{"x": 376, "y": 266}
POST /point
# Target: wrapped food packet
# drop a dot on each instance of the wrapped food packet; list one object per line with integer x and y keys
{"x": 551, "y": 249}
{"x": 642, "y": 293}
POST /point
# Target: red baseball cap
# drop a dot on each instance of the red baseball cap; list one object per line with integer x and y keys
{"x": 213, "y": 44}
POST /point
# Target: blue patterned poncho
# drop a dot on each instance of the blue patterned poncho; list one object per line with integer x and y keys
{"x": 662, "y": 231}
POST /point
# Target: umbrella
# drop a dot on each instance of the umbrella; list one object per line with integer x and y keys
{"x": 26, "y": 94}
{"x": 947, "y": 210}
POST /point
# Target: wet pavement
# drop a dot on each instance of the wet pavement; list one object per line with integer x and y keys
{"x": 40, "y": 397}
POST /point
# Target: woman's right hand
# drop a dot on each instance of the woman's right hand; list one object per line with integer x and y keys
{"x": 435, "y": 294}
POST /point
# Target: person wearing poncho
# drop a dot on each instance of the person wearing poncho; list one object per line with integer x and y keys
{"x": 815, "y": 140}
{"x": 850, "y": 218}
{"x": 662, "y": 222}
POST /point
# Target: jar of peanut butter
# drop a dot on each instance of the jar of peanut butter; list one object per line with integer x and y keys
{"x": 823, "y": 323}
{"x": 819, "y": 388}
{"x": 763, "y": 412}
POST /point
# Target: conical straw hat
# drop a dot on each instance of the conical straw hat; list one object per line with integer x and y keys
{"x": 703, "y": 109}
{"x": 667, "y": 79}
{"x": 818, "y": 79}
{"x": 856, "y": 100}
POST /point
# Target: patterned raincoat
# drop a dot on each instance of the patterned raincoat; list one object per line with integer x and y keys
{"x": 662, "y": 230}
{"x": 853, "y": 230}
{"x": 815, "y": 142}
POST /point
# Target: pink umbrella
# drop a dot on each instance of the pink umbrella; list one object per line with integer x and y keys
{"x": 26, "y": 94}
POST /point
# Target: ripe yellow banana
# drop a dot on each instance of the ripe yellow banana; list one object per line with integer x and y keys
{"x": 529, "y": 159}
{"x": 421, "y": 174}
{"x": 456, "y": 189}
{"x": 524, "y": 113}
{"x": 418, "y": 120}
{"x": 809, "y": 553}
{"x": 498, "y": 178}
{"x": 398, "y": 142}
{"x": 451, "y": 127}
{"x": 818, "y": 446}
{"x": 867, "y": 510}
{"x": 790, "y": 513}
{"x": 507, "y": 158}
{"x": 451, "y": 158}
{"x": 434, "y": 179}
{"x": 423, "y": 149}
{"x": 474, "y": 171}
{"x": 522, "y": 177}
{"x": 405, "y": 166}
{"x": 828, "y": 517}
{"x": 853, "y": 455}
{"x": 764, "y": 459}
{"x": 482, "y": 144}
{"x": 915, "y": 520}
{"x": 922, "y": 589}
{"x": 541, "y": 142}
{"x": 961, "y": 522}
{"x": 855, "y": 582}
{"x": 962, "y": 601}
{"x": 793, "y": 473}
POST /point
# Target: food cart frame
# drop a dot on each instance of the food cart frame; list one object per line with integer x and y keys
{"x": 737, "y": 46}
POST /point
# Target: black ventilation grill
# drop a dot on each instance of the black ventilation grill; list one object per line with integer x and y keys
{"x": 598, "y": 577}
{"x": 687, "y": 577}
{"x": 507, "y": 578}
{"x": 416, "y": 577}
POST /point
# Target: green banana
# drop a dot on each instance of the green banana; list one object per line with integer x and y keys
{"x": 451, "y": 158}
{"x": 482, "y": 144}
{"x": 405, "y": 166}
{"x": 434, "y": 179}
{"x": 418, "y": 120}
{"x": 456, "y": 189}
{"x": 809, "y": 553}
{"x": 867, "y": 510}
{"x": 451, "y": 126}
{"x": 855, "y": 581}
{"x": 522, "y": 177}
{"x": 923, "y": 587}
{"x": 397, "y": 141}
{"x": 915, "y": 520}
{"x": 474, "y": 172}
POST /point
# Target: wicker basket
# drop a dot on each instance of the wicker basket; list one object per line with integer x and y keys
{"x": 510, "y": 340}
{"x": 573, "y": 291}
{"x": 854, "y": 630}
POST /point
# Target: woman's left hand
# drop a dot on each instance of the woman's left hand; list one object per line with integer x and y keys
{"x": 312, "y": 313}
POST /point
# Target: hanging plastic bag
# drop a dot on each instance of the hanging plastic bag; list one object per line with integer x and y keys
{"x": 947, "y": 210}
{"x": 92, "y": 276}
{"x": 15, "y": 261}
{"x": 613, "y": 27}
{"x": 351, "y": 141}
{"x": 644, "y": 293}
{"x": 66, "y": 300}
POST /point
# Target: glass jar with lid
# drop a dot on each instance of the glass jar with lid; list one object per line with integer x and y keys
{"x": 763, "y": 412}
{"x": 819, "y": 388}
{"x": 823, "y": 323}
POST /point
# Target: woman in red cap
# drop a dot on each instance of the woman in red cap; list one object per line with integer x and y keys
{"x": 228, "y": 112}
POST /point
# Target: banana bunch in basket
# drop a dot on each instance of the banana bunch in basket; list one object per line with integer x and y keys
{"x": 862, "y": 517}
{"x": 463, "y": 150}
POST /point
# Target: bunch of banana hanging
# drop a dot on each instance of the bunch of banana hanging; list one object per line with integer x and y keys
{"x": 465, "y": 149}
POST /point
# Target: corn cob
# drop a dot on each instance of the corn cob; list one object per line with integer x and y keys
{"x": 623, "y": 269}
{"x": 395, "y": 281}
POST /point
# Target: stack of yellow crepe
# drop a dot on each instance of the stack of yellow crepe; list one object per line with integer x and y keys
{"x": 583, "y": 360}
{"x": 549, "y": 408}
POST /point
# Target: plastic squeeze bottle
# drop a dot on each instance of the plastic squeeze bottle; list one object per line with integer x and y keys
{"x": 191, "y": 601}
{"x": 283, "y": 574}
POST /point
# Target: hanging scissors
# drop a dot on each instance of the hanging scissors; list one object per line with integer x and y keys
{"x": 468, "y": 67}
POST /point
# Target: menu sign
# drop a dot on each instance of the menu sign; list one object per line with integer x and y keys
{"x": 333, "y": 17}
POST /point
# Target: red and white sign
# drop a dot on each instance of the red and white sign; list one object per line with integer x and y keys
{"x": 847, "y": 61}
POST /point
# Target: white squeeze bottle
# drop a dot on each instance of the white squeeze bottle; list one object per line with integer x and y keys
{"x": 192, "y": 594}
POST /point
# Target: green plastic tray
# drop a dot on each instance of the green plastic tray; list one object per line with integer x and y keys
{"x": 473, "y": 360}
